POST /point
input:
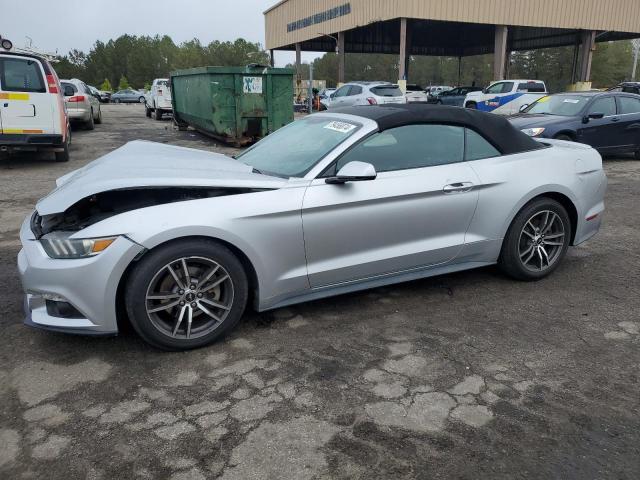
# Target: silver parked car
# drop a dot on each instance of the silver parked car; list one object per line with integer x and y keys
{"x": 82, "y": 105}
{"x": 364, "y": 93}
{"x": 332, "y": 203}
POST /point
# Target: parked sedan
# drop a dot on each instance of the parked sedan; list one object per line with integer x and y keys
{"x": 128, "y": 96}
{"x": 456, "y": 96}
{"x": 365, "y": 93}
{"x": 330, "y": 204}
{"x": 609, "y": 121}
{"x": 81, "y": 104}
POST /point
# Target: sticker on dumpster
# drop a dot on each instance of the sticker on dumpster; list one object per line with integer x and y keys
{"x": 341, "y": 127}
{"x": 252, "y": 84}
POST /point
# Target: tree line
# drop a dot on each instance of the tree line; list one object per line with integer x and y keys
{"x": 135, "y": 61}
{"x": 612, "y": 64}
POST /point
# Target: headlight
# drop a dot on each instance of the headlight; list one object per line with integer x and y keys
{"x": 59, "y": 245}
{"x": 533, "y": 132}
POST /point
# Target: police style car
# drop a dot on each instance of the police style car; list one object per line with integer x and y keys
{"x": 506, "y": 97}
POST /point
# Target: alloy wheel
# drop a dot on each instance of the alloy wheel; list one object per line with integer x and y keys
{"x": 541, "y": 241}
{"x": 189, "y": 297}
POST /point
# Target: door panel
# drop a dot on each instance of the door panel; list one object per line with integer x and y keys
{"x": 399, "y": 221}
{"x": 629, "y": 114}
{"x": 603, "y": 133}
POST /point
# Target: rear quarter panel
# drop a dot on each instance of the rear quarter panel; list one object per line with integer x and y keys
{"x": 509, "y": 182}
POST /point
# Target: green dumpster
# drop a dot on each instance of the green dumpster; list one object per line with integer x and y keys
{"x": 238, "y": 105}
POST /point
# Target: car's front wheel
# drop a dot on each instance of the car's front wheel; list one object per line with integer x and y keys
{"x": 537, "y": 240}
{"x": 186, "y": 294}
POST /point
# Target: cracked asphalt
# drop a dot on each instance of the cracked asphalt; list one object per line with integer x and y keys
{"x": 466, "y": 376}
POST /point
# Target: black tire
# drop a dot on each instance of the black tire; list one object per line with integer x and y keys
{"x": 472, "y": 105}
{"x": 98, "y": 120}
{"x": 64, "y": 155}
{"x": 147, "y": 111}
{"x": 637, "y": 155}
{"x": 141, "y": 100}
{"x": 511, "y": 262}
{"x": 564, "y": 137}
{"x": 156, "y": 331}
{"x": 157, "y": 114}
{"x": 90, "y": 124}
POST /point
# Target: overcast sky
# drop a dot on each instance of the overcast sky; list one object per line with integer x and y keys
{"x": 61, "y": 26}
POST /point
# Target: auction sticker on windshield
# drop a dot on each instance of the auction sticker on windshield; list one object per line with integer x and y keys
{"x": 341, "y": 127}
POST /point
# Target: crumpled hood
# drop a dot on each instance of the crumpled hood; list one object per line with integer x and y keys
{"x": 140, "y": 164}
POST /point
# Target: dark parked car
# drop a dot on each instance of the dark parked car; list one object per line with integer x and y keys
{"x": 456, "y": 96}
{"x": 608, "y": 121}
{"x": 627, "y": 87}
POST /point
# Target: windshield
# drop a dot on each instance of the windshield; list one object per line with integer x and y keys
{"x": 294, "y": 150}
{"x": 569, "y": 105}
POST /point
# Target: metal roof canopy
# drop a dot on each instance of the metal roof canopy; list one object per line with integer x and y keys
{"x": 445, "y": 38}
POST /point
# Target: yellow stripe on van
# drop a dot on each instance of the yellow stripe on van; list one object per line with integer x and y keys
{"x": 14, "y": 96}
{"x": 15, "y": 130}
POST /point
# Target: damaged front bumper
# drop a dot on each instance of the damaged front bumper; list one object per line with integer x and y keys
{"x": 73, "y": 296}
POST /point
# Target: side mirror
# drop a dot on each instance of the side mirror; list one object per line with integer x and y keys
{"x": 593, "y": 116}
{"x": 353, "y": 172}
{"x": 524, "y": 107}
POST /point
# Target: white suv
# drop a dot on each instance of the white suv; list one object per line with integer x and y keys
{"x": 365, "y": 93}
{"x": 32, "y": 113}
{"x": 158, "y": 99}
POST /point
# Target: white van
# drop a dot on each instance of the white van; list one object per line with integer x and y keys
{"x": 158, "y": 100}
{"x": 32, "y": 111}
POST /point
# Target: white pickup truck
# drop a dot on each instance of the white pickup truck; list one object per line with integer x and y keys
{"x": 158, "y": 100}
{"x": 506, "y": 97}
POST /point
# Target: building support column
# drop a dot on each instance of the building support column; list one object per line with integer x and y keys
{"x": 588, "y": 47}
{"x": 459, "y": 71}
{"x": 576, "y": 58}
{"x": 272, "y": 61}
{"x": 341, "y": 55}
{"x": 298, "y": 71}
{"x": 402, "y": 60}
{"x": 500, "y": 52}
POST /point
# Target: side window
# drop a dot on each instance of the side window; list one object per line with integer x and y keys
{"x": 342, "y": 91}
{"x": 606, "y": 105}
{"x": 355, "y": 90}
{"x": 628, "y": 105}
{"x": 507, "y": 87}
{"x": 477, "y": 148}
{"x": 496, "y": 88}
{"x": 411, "y": 146}
{"x": 21, "y": 75}
{"x": 532, "y": 87}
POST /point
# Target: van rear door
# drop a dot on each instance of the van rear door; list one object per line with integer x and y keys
{"x": 25, "y": 105}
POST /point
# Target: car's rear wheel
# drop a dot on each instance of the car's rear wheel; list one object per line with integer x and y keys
{"x": 89, "y": 124}
{"x": 99, "y": 117}
{"x": 537, "y": 240}
{"x": 186, "y": 294}
{"x": 141, "y": 100}
{"x": 63, "y": 156}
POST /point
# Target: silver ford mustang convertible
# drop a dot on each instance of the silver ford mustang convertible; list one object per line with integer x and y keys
{"x": 180, "y": 240}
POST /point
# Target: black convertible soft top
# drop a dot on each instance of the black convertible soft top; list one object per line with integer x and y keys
{"x": 495, "y": 128}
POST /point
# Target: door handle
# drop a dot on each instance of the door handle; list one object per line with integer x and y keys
{"x": 460, "y": 187}
{"x": 615, "y": 119}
